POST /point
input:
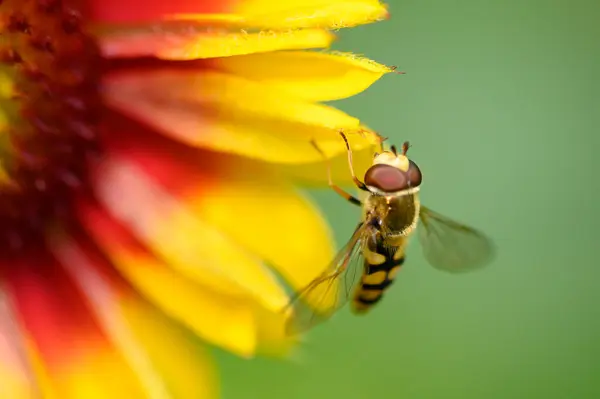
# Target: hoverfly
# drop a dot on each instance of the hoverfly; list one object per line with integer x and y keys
{"x": 367, "y": 265}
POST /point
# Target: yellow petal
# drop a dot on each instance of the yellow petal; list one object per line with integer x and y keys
{"x": 330, "y": 14}
{"x": 315, "y": 173}
{"x": 180, "y": 360}
{"x": 311, "y": 76}
{"x": 9, "y": 112}
{"x": 218, "y": 318}
{"x": 14, "y": 386}
{"x": 275, "y": 222}
{"x": 98, "y": 376}
{"x": 201, "y": 42}
{"x": 232, "y": 114}
{"x": 6, "y": 88}
{"x": 271, "y": 220}
{"x": 273, "y": 339}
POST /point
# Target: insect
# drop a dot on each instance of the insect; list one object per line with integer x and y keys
{"x": 368, "y": 263}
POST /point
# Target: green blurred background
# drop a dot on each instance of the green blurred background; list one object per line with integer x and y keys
{"x": 501, "y": 104}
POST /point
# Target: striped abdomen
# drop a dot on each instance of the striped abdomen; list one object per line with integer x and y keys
{"x": 382, "y": 263}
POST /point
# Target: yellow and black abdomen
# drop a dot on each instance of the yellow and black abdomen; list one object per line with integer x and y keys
{"x": 382, "y": 263}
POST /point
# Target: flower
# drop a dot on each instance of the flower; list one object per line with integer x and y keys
{"x": 149, "y": 156}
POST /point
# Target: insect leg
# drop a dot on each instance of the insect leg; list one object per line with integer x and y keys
{"x": 349, "y": 197}
{"x": 358, "y": 183}
{"x": 381, "y": 147}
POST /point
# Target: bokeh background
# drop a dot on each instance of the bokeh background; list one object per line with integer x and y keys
{"x": 501, "y": 104}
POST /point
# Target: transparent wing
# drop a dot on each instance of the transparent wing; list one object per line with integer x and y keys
{"x": 452, "y": 246}
{"x": 327, "y": 293}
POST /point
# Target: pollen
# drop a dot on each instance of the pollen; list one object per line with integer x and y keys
{"x": 49, "y": 114}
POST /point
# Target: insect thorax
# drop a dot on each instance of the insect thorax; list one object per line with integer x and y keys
{"x": 393, "y": 216}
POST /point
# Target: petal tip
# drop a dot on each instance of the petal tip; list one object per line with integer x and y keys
{"x": 365, "y": 62}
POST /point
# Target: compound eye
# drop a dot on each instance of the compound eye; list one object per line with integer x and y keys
{"x": 414, "y": 175}
{"x": 386, "y": 178}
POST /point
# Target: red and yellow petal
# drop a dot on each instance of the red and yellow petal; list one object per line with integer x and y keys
{"x": 168, "y": 225}
{"x": 165, "y": 359}
{"x": 220, "y": 318}
{"x": 238, "y": 323}
{"x": 246, "y": 201}
{"x": 272, "y": 14}
{"x": 185, "y": 30}
{"x": 18, "y": 379}
{"x": 199, "y": 42}
{"x": 212, "y": 219}
{"x": 68, "y": 346}
{"x": 228, "y": 113}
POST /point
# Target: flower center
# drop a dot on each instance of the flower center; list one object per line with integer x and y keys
{"x": 49, "y": 113}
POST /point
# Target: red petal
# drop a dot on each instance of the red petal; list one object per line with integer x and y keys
{"x": 127, "y": 11}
